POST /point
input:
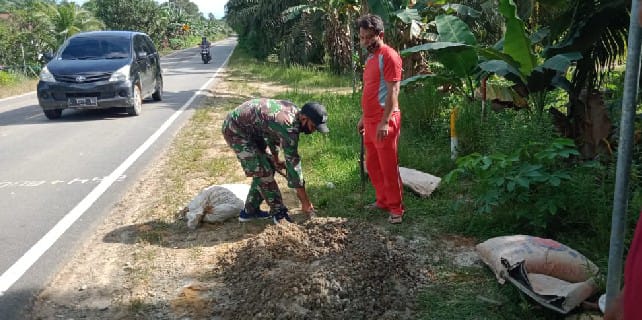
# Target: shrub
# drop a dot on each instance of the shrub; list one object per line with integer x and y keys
{"x": 501, "y": 131}
{"x": 8, "y": 78}
{"x": 525, "y": 182}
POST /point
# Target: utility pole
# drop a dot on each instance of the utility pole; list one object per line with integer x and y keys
{"x": 625, "y": 146}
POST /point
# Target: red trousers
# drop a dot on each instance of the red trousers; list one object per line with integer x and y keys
{"x": 383, "y": 164}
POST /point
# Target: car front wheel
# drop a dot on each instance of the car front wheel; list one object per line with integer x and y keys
{"x": 137, "y": 105}
{"x": 53, "y": 114}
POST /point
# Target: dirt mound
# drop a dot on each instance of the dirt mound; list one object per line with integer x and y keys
{"x": 321, "y": 269}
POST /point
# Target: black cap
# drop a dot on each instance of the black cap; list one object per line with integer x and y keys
{"x": 316, "y": 112}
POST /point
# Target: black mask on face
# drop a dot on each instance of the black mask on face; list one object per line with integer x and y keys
{"x": 303, "y": 128}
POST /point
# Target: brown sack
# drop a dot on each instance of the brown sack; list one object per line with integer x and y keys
{"x": 543, "y": 256}
{"x": 551, "y": 273}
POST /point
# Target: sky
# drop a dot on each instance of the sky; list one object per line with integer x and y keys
{"x": 217, "y": 7}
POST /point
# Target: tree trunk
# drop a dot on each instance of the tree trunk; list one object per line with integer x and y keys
{"x": 337, "y": 41}
{"x": 588, "y": 124}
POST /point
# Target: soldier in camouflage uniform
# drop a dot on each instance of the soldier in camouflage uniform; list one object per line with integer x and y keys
{"x": 256, "y": 130}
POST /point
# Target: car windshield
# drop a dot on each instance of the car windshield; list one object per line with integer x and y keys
{"x": 85, "y": 48}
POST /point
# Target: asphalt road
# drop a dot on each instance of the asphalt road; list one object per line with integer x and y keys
{"x": 60, "y": 178}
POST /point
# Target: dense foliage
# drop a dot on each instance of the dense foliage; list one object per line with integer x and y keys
{"x": 298, "y": 31}
{"x": 39, "y": 26}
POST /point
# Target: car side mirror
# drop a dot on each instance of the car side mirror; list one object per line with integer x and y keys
{"x": 47, "y": 56}
{"x": 142, "y": 55}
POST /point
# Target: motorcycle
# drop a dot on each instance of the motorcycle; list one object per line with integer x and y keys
{"x": 205, "y": 55}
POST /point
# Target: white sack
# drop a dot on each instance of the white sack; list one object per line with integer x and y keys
{"x": 216, "y": 203}
{"x": 420, "y": 182}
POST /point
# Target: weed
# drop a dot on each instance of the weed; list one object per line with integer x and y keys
{"x": 137, "y": 305}
{"x": 151, "y": 237}
{"x": 196, "y": 253}
{"x": 14, "y": 83}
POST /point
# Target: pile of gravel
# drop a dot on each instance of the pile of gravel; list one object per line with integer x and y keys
{"x": 325, "y": 268}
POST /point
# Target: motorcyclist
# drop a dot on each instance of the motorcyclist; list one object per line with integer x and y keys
{"x": 206, "y": 45}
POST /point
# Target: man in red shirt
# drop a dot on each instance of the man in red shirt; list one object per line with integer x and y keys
{"x": 380, "y": 123}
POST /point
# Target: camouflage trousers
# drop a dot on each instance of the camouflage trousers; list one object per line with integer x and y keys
{"x": 256, "y": 163}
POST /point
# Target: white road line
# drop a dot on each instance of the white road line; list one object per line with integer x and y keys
{"x": 15, "y": 272}
{"x": 37, "y": 115}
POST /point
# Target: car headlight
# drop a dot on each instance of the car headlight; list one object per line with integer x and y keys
{"x": 121, "y": 74}
{"x": 46, "y": 76}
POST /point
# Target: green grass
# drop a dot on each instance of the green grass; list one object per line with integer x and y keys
{"x": 470, "y": 293}
{"x": 297, "y": 77}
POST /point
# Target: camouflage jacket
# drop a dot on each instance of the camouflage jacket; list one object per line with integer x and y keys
{"x": 277, "y": 123}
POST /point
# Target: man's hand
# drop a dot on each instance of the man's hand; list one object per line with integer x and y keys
{"x": 360, "y": 126}
{"x": 382, "y": 131}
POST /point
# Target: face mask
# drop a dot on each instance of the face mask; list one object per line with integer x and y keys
{"x": 303, "y": 128}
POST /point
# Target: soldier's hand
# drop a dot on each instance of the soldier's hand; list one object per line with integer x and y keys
{"x": 312, "y": 214}
{"x": 307, "y": 207}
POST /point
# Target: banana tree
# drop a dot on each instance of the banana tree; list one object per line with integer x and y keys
{"x": 455, "y": 49}
{"x": 337, "y": 16}
{"x": 598, "y": 29}
{"x": 522, "y": 66}
{"x": 590, "y": 29}
{"x": 513, "y": 58}
{"x": 592, "y": 41}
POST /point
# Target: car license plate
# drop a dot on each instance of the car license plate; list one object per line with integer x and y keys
{"x": 83, "y": 102}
